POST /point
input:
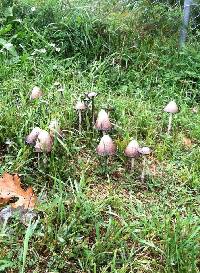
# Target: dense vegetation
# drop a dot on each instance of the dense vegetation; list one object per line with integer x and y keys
{"x": 90, "y": 220}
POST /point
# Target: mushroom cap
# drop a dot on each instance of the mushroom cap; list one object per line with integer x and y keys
{"x": 36, "y": 93}
{"x": 31, "y": 138}
{"x": 54, "y": 127}
{"x": 44, "y": 142}
{"x": 132, "y": 149}
{"x": 92, "y": 95}
{"x": 106, "y": 146}
{"x": 145, "y": 150}
{"x": 80, "y": 105}
{"x": 103, "y": 122}
{"x": 171, "y": 107}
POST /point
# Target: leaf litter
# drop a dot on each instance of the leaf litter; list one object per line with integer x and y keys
{"x": 10, "y": 188}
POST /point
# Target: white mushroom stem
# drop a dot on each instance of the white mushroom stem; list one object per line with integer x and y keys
{"x": 107, "y": 161}
{"x": 93, "y": 110}
{"x": 132, "y": 163}
{"x": 170, "y": 123}
{"x": 143, "y": 168}
{"x": 38, "y": 159}
{"x": 79, "y": 120}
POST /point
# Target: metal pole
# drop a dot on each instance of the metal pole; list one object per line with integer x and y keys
{"x": 186, "y": 19}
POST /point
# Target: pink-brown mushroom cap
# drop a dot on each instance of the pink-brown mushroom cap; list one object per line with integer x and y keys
{"x": 132, "y": 149}
{"x": 145, "y": 150}
{"x": 171, "y": 107}
{"x": 106, "y": 146}
{"x": 36, "y": 93}
{"x": 92, "y": 95}
{"x": 80, "y": 105}
{"x": 103, "y": 122}
{"x": 31, "y": 138}
{"x": 44, "y": 142}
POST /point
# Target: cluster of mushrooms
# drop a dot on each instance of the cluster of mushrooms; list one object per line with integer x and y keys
{"x": 43, "y": 140}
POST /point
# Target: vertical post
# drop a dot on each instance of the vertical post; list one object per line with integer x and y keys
{"x": 186, "y": 19}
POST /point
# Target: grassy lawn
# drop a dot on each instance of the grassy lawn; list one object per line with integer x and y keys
{"x": 92, "y": 218}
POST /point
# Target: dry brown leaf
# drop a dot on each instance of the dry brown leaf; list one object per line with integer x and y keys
{"x": 187, "y": 142}
{"x": 10, "y": 187}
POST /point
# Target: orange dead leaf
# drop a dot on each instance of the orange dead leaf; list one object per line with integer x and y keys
{"x": 187, "y": 142}
{"x": 10, "y": 187}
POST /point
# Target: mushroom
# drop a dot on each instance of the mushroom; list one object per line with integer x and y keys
{"x": 31, "y": 138}
{"x": 91, "y": 96}
{"x": 132, "y": 151}
{"x": 36, "y": 93}
{"x": 44, "y": 142}
{"x": 55, "y": 128}
{"x": 103, "y": 122}
{"x": 80, "y": 106}
{"x": 106, "y": 146}
{"x": 171, "y": 108}
{"x": 144, "y": 151}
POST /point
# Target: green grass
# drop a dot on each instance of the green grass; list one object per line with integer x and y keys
{"x": 89, "y": 220}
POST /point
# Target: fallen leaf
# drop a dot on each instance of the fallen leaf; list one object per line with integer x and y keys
{"x": 10, "y": 187}
{"x": 187, "y": 142}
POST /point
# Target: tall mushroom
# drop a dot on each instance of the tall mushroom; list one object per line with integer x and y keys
{"x": 171, "y": 108}
{"x": 144, "y": 151}
{"x": 103, "y": 122}
{"x": 106, "y": 147}
{"x": 132, "y": 151}
{"x": 32, "y": 137}
{"x": 44, "y": 142}
{"x": 91, "y": 96}
{"x": 36, "y": 93}
{"x": 80, "y": 106}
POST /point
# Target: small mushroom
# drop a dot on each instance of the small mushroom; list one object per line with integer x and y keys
{"x": 80, "y": 106}
{"x": 105, "y": 149}
{"x": 55, "y": 128}
{"x": 132, "y": 151}
{"x": 106, "y": 146}
{"x": 91, "y": 96}
{"x": 44, "y": 142}
{"x": 144, "y": 151}
{"x": 103, "y": 122}
{"x": 171, "y": 108}
{"x": 36, "y": 93}
{"x": 31, "y": 138}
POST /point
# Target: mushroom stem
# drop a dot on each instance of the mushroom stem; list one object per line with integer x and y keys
{"x": 107, "y": 161}
{"x": 38, "y": 159}
{"x": 170, "y": 123}
{"x": 79, "y": 120}
{"x": 104, "y": 133}
{"x": 92, "y": 110}
{"x": 132, "y": 163}
{"x": 104, "y": 164}
{"x": 143, "y": 168}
